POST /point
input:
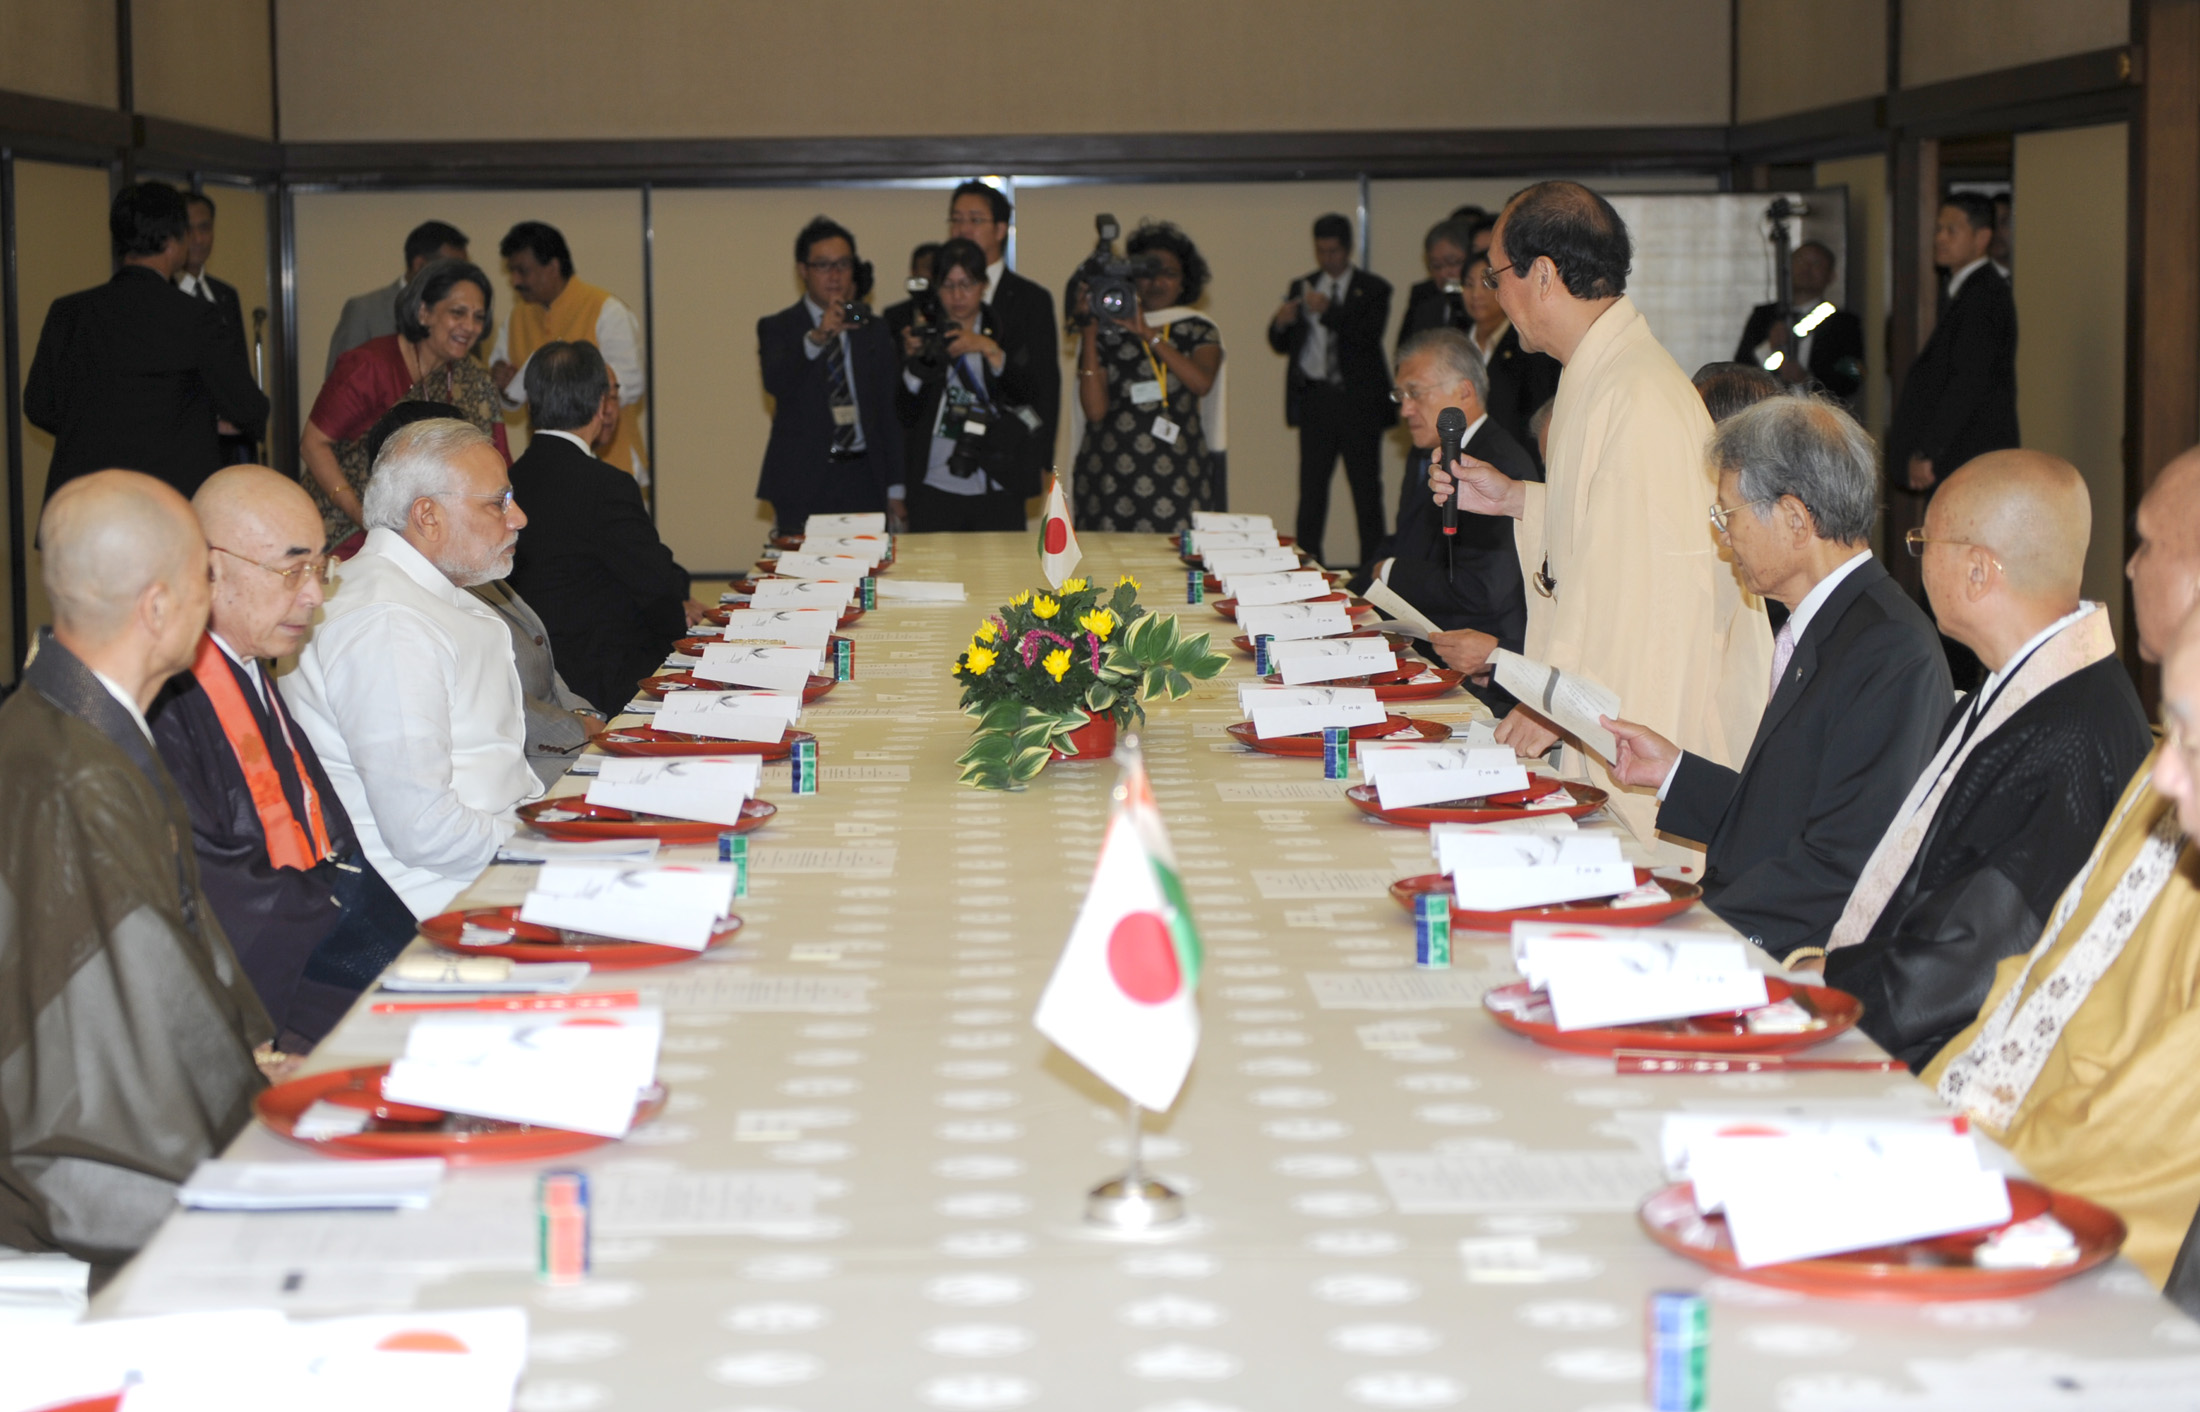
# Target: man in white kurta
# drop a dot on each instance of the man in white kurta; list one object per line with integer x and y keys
{"x": 1626, "y": 583}
{"x": 408, "y": 689}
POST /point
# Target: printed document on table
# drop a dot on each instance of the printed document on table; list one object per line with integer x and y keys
{"x": 1497, "y": 872}
{"x": 728, "y": 715}
{"x": 1437, "y": 774}
{"x": 1571, "y": 701}
{"x": 805, "y": 593}
{"x": 821, "y": 566}
{"x": 773, "y": 668}
{"x": 1216, "y": 520}
{"x": 676, "y": 906}
{"x": 790, "y": 627}
{"x": 873, "y": 523}
{"x": 710, "y": 789}
{"x": 1224, "y": 562}
{"x": 584, "y": 1073}
{"x": 1291, "y": 621}
{"x": 1329, "y": 658}
{"x": 870, "y": 548}
{"x": 1297, "y": 710}
{"x": 1254, "y": 590}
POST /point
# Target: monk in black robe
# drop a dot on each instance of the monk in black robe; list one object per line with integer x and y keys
{"x": 311, "y": 920}
{"x": 2029, "y": 766}
{"x": 127, "y": 1029}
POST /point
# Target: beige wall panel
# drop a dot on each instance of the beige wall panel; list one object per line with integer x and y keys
{"x": 1803, "y": 54}
{"x": 708, "y": 68}
{"x": 2070, "y": 324}
{"x": 350, "y": 242}
{"x": 240, "y": 254}
{"x": 1944, "y": 39}
{"x": 61, "y": 247}
{"x": 205, "y": 62}
{"x": 59, "y": 49}
{"x": 1866, "y": 180}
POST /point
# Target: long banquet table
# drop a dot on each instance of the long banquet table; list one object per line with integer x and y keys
{"x": 910, "y": 922}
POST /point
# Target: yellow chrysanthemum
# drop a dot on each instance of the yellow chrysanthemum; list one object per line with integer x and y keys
{"x": 1020, "y": 599}
{"x": 987, "y": 632}
{"x": 1056, "y": 663}
{"x": 1073, "y": 585}
{"x": 981, "y": 659}
{"x": 1127, "y": 579}
{"x": 1044, "y": 607}
{"x": 1099, "y": 622}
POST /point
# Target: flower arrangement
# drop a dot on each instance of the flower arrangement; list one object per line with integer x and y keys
{"x": 1048, "y": 663}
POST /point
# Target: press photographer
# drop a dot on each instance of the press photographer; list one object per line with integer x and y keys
{"x": 972, "y": 448}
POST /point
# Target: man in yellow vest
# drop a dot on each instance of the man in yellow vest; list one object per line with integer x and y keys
{"x": 554, "y": 307}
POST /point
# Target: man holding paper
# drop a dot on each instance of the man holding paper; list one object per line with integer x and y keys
{"x": 1625, "y": 583}
{"x": 1858, "y": 689}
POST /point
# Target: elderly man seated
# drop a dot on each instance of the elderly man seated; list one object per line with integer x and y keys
{"x": 1859, "y": 685}
{"x": 408, "y": 689}
{"x": 2081, "y": 1061}
{"x": 2029, "y": 765}
{"x": 311, "y": 920}
{"x": 127, "y": 1029}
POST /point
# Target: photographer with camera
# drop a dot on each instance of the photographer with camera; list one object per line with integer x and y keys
{"x": 1144, "y": 361}
{"x": 1440, "y": 300}
{"x": 1021, "y": 310}
{"x": 829, "y": 366}
{"x": 970, "y": 449}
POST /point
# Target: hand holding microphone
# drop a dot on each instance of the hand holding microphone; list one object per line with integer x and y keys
{"x": 1451, "y": 429}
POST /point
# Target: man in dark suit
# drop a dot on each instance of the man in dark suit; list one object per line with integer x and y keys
{"x": 1859, "y": 686}
{"x": 1468, "y": 583}
{"x": 900, "y": 314}
{"x": 589, "y": 561}
{"x": 135, "y": 374}
{"x": 1829, "y": 343}
{"x": 1440, "y": 300}
{"x": 1022, "y": 315}
{"x": 1336, "y": 384}
{"x": 835, "y": 444}
{"x": 198, "y": 247}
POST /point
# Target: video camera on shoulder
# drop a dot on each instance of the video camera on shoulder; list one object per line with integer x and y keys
{"x": 1107, "y": 280}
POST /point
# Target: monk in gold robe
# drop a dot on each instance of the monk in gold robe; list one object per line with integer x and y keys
{"x": 2082, "y": 1060}
{"x": 1626, "y": 584}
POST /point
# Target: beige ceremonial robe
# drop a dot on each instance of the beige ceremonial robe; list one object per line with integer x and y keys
{"x": 1644, "y": 602}
{"x": 2111, "y": 1111}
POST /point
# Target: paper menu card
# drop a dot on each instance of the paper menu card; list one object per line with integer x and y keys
{"x": 1416, "y": 623}
{"x": 869, "y": 548}
{"x": 1793, "y": 1191}
{"x": 1571, "y": 701}
{"x": 710, "y": 789}
{"x": 1323, "y": 659}
{"x": 1208, "y": 541}
{"x": 582, "y": 1072}
{"x": 1494, "y": 871}
{"x": 671, "y": 906}
{"x": 1600, "y": 976}
{"x": 729, "y": 715}
{"x": 1287, "y": 622}
{"x": 1296, "y": 710}
{"x": 1259, "y": 590}
{"x": 1218, "y": 520}
{"x": 873, "y": 523}
{"x": 805, "y": 593}
{"x": 790, "y": 627}
{"x": 772, "y": 668}
{"x": 1411, "y": 776}
{"x": 1224, "y": 562}
{"x": 821, "y": 566}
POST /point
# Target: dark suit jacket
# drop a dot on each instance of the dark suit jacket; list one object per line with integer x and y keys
{"x": 1427, "y": 307}
{"x": 1356, "y": 323}
{"x": 1856, "y": 717}
{"x": 1520, "y": 382}
{"x": 1009, "y": 388}
{"x": 1960, "y": 398}
{"x": 1023, "y": 324}
{"x": 133, "y": 374}
{"x": 591, "y": 565}
{"x": 799, "y": 474}
{"x": 1836, "y": 349}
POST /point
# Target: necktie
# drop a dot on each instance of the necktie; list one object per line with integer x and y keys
{"x": 836, "y": 376}
{"x": 1783, "y": 651}
{"x": 1330, "y": 369}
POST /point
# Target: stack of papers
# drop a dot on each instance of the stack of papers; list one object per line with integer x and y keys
{"x": 1259, "y": 589}
{"x": 1291, "y": 622}
{"x": 706, "y": 788}
{"x": 1495, "y": 871}
{"x": 805, "y": 593}
{"x": 771, "y": 668}
{"x": 1298, "y": 710}
{"x": 873, "y": 523}
{"x": 731, "y": 715}
{"x": 583, "y": 1072}
{"x": 1599, "y": 976}
{"x": 40, "y": 1289}
{"x": 1205, "y": 520}
{"x": 1252, "y": 559}
{"x": 788, "y": 627}
{"x": 1321, "y": 659}
{"x": 1414, "y": 776}
{"x": 835, "y": 567}
{"x": 1793, "y": 1189}
{"x": 403, "y": 1184}
{"x": 919, "y": 591}
{"x": 675, "y": 906}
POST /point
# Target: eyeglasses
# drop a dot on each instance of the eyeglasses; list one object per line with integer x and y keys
{"x": 321, "y": 566}
{"x": 1409, "y": 392}
{"x": 842, "y": 265}
{"x": 966, "y": 219}
{"x": 1489, "y": 276}
{"x": 1720, "y": 514}
{"x": 502, "y": 499}
{"x": 959, "y": 285}
{"x": 1916, "y": 541}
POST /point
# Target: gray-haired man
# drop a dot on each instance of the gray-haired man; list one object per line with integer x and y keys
{"x": 1858, "y": 691}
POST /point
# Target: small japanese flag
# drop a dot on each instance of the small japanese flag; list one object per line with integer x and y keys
{"x": 1121, "y": 1001}
{"x": 1058, "y": 551}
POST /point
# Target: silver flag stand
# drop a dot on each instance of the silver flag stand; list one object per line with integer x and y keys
{"x": 1133, "y": 1202}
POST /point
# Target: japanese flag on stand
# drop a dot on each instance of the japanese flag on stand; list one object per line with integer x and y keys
{"x": 1058, "y": 551}
{"x": 1121, "y": 998}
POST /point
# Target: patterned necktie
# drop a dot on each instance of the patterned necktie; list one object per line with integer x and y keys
{"x": 836, "y": 377}
{"x": 1783, "y": 650}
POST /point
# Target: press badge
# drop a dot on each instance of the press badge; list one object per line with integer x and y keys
{"x": 1146, "y": 394}
{"x": 1165, "y": 430}
{"x": 844, "y": 416}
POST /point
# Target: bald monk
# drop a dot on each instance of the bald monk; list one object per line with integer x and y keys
{"x": 311, "y": 920}
{"x": 2028, "y": 768}
{"x": 127, "y": 1029}
{"x": 2081, "y": 1061}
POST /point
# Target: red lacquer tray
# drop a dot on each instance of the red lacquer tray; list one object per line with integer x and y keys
{"x": 1587, "y": 800}
{"x": 1915, "y": 1271}
{"x": 1680, "y": 897}
{"x": 654, "y": 688}
{"x": 583, "y": 822}
{"x": 650, "y": 742}
{"x": 532, "y": 943}
{"x": 408, "y": 1130}
{"x": 1521, "y": 1008}
{"x": 1311, "y": 745}
{"x": 1397, "y": 642}
{"x": 1359, "y": 609}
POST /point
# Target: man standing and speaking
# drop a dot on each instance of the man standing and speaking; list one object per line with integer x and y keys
{"x": 1626, "y": 584}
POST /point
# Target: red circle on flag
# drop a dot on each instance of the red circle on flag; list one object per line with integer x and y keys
{"x": 1142, "y": 958}
{"x": 1057, "y": 534}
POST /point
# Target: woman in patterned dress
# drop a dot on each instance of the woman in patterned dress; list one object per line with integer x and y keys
{"x": 1144, "y": 465}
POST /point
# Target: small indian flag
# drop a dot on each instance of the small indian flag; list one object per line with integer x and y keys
{"x": 1058, "y": 551}
{"x": 1121, "y": 1001}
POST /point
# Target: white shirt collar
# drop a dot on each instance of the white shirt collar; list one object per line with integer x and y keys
{"x": 572, "y": 438}
{"x": 390, "y": 545}
{"x": 129, "y": 702}
{"x": 817, "y": 310}
{"x": 1473, "y": 427}
{"x": 1798, "y": 621}
{"x": 2016, "y": 659}
{"x": 1955, "y": 281}
{"x": 993, "y": 277}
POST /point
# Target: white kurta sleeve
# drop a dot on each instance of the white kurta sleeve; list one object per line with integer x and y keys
{"x": 515, "y": 394}
{"x": 619, "y": 339}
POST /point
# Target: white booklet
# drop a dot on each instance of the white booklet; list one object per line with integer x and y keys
{"x": 1496, "y": 872}
{"x": 1437, "y": 774}
{"x": 1321, "y": 659}
{"x": 1259, "y": 589}
{"x": 1289, "y": 622}
{"x": 1599, "y": 976}
{"x": 1252, "y": 559}
{"x": 1297, "y": 710}
{"x": 668, "y": 906}
{"x": 790, "y": 627}
{"x": 821, "y": 566}
{"x": 581, "y": 1072}
{"x": 729, "y": 715}
{"x": 804, "y": 593}
{"x": 708, "y": 788}
{"x": 772, "y": 668}
{"x": 872, "y": 523}
{"x": 1571, "y": 701}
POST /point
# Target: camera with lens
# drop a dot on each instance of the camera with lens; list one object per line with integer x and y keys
{"x": 1107, "y": 280}
{"x": 856, "y": 315}
{"x": 932, "y": 329}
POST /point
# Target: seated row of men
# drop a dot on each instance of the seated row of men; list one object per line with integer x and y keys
{"x": 203, "y": 869}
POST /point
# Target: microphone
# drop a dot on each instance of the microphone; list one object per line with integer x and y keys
{"x": 1451, "y": 429}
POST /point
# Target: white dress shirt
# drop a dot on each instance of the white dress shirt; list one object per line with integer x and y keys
{"x": 197, "y": 286}
{"x": 1314, "y": 353}
{"x": 618, "y": 338}
{"x": 993, "y": 277}
{"x": 409, "y": 694}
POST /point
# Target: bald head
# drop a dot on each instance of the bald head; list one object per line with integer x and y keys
{"x": 2032, "y": 510}
{"x": 2165, "y": 567}
{"x": 108, "y": 538}
{"x": 267, "y": 536}
{"x": 254, "y": 502}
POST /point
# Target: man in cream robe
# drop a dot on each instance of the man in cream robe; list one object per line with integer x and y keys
{"x": 1626, "y": 584}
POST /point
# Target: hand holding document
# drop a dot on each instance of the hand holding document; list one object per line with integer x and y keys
{"x": 1571, "y": 702}
{"x": 821, "y": 566}
{"x": 769, "y": 668}
{"x": 1329, "y": 658}
{"x": 789, "y": 627}
{"x": 1494, "y": 871}
{"x": 1291, "y": 622}
{"x": 729, "y": 715}
{"x": 1601, "y": 976}
{"x": 1299, "y": 710}
{"x": 710, "y": 789}
{"x": 582, "y": 1072}
{"x": 1261, "y": 589}
{"x": 806, "y": 593}
{"x": 678, "y": 906}
{"x": 829, "y": 525}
